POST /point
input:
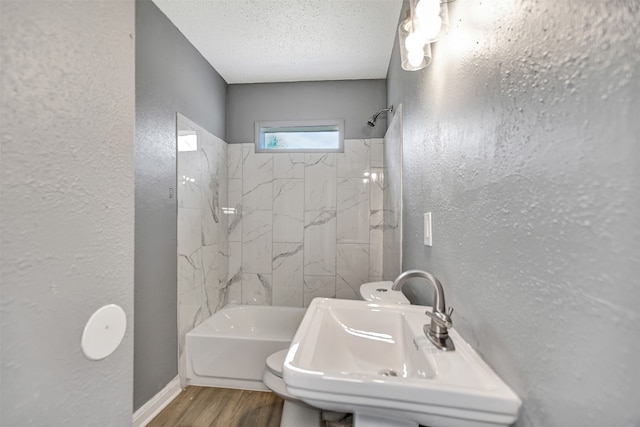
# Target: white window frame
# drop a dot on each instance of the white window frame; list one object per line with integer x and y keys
{"x": 260, "y": 126}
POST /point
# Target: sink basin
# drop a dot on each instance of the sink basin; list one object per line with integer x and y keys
{"x": 374, "y": 360}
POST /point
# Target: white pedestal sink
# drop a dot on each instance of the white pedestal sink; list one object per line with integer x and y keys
{"x": 374, "y": 360}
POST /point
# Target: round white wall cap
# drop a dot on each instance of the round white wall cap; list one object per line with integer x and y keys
{"x": 103, "y": 332}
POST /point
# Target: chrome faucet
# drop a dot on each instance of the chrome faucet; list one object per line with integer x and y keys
{"x": 437, "y": 330}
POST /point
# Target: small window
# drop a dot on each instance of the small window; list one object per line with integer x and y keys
{"x": 325, "y": 136}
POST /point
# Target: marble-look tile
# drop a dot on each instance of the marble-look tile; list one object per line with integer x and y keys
{"x": 376, "y": 222}
{"x": 392, "y": 199}
{"x": 377, "y": 155}
{"x": 234, "y": 294}
{"x": 215, "y": 267}
{"x": 202, "y": 232}
{"x": 257, "y": 198}
{"x": 189, "y": 170}
{"x": 376, "y": 181}
{"x": 189, "y": 230}
{"x": 223, "y": 269}
{"x": 210, "y": 286}
{"x": 234, "y": 161}
{"x": 353, "y": 210}
{"x": 288, "y": 210}
{"x": 234, "y": 266}
{"x": 256, "y": 289}
{"x": 234, "y": 274}
{"x": 288, "y": 165}
{"x": 213, "y": 230}
{"x": 375, "y": 243}
{"x": 391, "y": 244}
{"x": 189, "y": 314}
{"x": 223, "y": 225}
{"x": 190, "y": 275}
{"x": 320, "y": 243}
{"x": 354, "y": 162}
{"x": 320, "y": 182}
{"x": 215, "y": 152}
{"x": 234, "y": 213}
{"x": 192, "y": 316}
{"x": 257, "y": 181}
{"x": 352, "y": 269}
{"x": 257, "y": 242}
{"x": 287, "y": 274}
{"x": 214, "y": 190}
{"x": 300, "y": 239}
{"x": 318, "y": 286}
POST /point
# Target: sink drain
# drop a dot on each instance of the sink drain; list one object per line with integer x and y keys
{"x": 388, "y": 373}
{"x": 382, "y": 290}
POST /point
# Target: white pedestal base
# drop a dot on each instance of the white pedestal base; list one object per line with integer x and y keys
{"x": 299, "y": 415}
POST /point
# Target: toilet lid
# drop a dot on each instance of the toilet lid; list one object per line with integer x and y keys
{"x": 275, "y": 362}
{"x": 381, "y": 292}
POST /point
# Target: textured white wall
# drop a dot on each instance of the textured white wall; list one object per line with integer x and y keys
{"x": 522, "y": 139}
{"x": 67, "y": 208}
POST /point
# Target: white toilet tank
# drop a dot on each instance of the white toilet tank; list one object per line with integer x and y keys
{"x": 381, "y": 292}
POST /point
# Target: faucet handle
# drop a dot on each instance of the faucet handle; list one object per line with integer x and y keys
{"x": 449, "y": 311}
{"x": 441, "y": 319}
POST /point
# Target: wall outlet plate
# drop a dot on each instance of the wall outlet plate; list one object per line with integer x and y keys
{"x": 428, "y": 239}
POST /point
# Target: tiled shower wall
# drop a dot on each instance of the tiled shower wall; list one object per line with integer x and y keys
{"x": 392, "y": 204}
{"x": 304, "y": 225}
{"x": 202, "y": 231}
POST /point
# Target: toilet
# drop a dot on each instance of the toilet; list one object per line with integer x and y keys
{"x": 382, "y": 293}
{"x": 296, "y": 413}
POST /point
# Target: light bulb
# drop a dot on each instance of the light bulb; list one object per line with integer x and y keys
{"x": 415, "y": 41}
{"x": 415, "y": 57}
{"x": 427, "y": 8}
{"x": 430, "y": 28}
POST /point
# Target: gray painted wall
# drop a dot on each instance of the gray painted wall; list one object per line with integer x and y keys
{"x": 522, "y": 139}
{"x": 67, "y": 112}
{"x": 352, "y": 100}
{"x": 171, "y": 77}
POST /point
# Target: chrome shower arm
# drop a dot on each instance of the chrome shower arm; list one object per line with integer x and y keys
{"x": 372, "y": 120}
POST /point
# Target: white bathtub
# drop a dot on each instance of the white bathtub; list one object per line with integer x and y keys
{"x": 229, "y": 349}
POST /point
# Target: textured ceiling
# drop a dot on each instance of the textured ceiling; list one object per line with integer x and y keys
{"x": 255, "y": 41}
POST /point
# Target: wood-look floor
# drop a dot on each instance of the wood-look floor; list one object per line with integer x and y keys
{"x": 221, "y": 407}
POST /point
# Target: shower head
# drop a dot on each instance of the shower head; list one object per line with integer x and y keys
{"x": 372, "y": 120}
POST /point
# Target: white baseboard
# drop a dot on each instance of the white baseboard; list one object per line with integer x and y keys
{"x": 157, "y": 403}
{"x": 254, "y": 385}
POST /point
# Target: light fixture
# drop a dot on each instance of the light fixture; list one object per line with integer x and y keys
{"x": 415, "y": 52}
{"x": 426, "y": 22}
